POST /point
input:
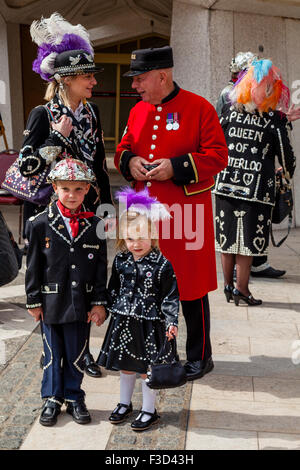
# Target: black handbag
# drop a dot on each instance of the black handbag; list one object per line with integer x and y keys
{"x": 283, "y": 206}
{"x": 166, "y": 374}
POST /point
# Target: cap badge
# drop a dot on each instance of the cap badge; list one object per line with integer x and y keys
{"x": 133, "y": 56}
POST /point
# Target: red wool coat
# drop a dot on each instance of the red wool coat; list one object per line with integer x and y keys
{"x": 198, "y": 151}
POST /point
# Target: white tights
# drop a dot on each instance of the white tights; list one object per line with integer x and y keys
{"x": 127, "y": 383}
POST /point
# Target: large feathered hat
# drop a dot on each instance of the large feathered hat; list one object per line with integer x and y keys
{"x": 261, "y": 88}
{"x": 63, "y": 49}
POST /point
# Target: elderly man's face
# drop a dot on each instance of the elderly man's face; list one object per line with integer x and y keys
{"x": 149, "y": 86}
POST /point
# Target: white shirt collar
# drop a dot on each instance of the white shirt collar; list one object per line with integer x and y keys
{"x": 77, "y": 111}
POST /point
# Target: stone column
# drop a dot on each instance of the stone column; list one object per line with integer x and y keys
{"x": 11, "y": 94}
{"x": 191, "y": 45}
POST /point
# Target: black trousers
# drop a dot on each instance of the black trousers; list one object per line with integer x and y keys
{"x": 259, "y": 260}
{"x": 197, "y": 318}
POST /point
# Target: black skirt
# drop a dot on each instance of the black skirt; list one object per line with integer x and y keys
{"x": 242, "y": 227}
{"x": 132, "y": 344}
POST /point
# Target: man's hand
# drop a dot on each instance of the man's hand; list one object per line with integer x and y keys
{"x": 136, "y": 168}
{"x": 164, "y": 171}
{"x": 37, "y": 313}
{"x": 97, "y": 315}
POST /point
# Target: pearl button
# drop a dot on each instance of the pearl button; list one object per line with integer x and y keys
{"x": 72, "y": 249}
{"x": 74, "y": 283}
{"x": 149, "y": 184}
{"x": 73, "y": 266}
{"x": 186, "y": 164}
{"x": 157, "y": 118}
{"x": 154, "y": 137}
{"x": 159, "y": 109}
{"x": 153, "y": 147}
{"x": 155, "y": 127}
{"x": 193, "y": 181}
{"x": 151, "y": 156}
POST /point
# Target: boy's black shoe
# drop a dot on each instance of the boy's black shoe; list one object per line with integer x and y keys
{"x": 139, "y": 425}
{"x": 50, "y": 411}
{"x": 79, "y": 412}
{"x": 116, "y": 417}
{"x": 91, "y": 368}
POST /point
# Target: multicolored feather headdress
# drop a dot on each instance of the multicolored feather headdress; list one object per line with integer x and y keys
{"x": 142, "y": 203}
{"x": 261, "y": 88}
{"x": 54, "y": 36}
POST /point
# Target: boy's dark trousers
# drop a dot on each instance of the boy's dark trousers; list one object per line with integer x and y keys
{"x": 64, "y": 347}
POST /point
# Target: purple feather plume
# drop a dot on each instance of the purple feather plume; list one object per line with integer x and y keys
{"x": 133, "y": 198}
{"x": 69, "y": 42}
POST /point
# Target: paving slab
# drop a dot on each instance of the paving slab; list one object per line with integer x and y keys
{"x": 221, "y": 439}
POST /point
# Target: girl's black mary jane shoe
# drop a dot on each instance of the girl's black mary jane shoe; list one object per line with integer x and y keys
{"x": 139, "y": 425}
{"x": 116, "y": 417}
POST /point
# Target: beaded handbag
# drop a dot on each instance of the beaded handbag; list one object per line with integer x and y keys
{"x": 34, "y": 189}
{"x": 166, "y": 374}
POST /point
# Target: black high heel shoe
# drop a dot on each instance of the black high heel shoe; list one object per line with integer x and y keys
{"x": 228, "y": 292}
{"x": 250, "y": 300}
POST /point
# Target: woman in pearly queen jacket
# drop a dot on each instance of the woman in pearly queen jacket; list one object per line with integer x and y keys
{"x": 67, "y": 126}
{"x": 256, "y": 133}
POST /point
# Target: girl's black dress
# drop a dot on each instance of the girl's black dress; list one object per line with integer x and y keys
{"x": 144, "y": 303}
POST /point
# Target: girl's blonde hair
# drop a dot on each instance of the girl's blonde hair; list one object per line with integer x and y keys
{"x": 132, "y": 218}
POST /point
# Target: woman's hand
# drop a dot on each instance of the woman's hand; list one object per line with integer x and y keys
{"x": 172, "y": 332}
{"x": 293, "y": 113}
{"x": 64, "y": 126}
{"x": 37, "y": 313}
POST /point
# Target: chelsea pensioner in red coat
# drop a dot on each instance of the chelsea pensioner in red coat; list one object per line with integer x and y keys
{"x": 197, "y": 151}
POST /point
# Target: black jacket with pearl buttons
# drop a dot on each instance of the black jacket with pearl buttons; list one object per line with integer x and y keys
{"x": 42, "y": 145}
{"x": 65, "y": 276}
{"x": 253, "y": 142}
{"x": 144, "y": 289}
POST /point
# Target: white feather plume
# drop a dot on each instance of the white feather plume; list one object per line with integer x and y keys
{"x": 51, "y": 30}
{"x": 47, "y": 65}
{"x": 156, "y": 212}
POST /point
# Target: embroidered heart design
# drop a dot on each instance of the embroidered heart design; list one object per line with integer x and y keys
{"x": 259, "y": 243}
{"x": 248, "y": 178}
{"x": 223, "y": 240}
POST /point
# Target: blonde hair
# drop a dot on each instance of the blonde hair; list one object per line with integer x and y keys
{"x": 129, "y": 219}
{"x": 59, "y": 88}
